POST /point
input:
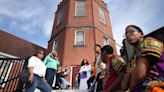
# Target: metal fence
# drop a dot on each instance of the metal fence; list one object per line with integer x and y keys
{"x": 10, "y": 68}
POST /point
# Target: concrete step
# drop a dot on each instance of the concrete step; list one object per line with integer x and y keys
{"x": 69, "y": 91}
{"x": 37, "y": 90}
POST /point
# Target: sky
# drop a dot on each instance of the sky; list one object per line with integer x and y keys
{"x": 32, "y": 20}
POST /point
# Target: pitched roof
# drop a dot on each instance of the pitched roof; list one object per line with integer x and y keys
{"x": 158, "y": 34}
{"x": 16, "y": 46}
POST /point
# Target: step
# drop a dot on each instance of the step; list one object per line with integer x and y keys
{"x": 37, "y": 90}
{"x": 69, "y": 91}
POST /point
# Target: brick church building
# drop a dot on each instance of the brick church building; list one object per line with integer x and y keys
{"x": 78, "y": 26}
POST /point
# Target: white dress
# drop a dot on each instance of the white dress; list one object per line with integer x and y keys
{"x": 83, "y": 82}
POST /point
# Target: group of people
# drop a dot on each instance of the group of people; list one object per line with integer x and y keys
{"x": 89, "y": 75}
{"x": 45, "y": 73}
{"x": 110, "y": 72}
{"x": 144, "y": 72}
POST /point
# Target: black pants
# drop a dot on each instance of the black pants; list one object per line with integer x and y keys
{"x": 50, "y": 73}
{"x": 90, "y": 80}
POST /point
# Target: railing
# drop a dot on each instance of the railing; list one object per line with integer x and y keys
{"x": 10, "y": 69}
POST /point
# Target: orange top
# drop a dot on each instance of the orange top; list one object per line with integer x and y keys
{"x": 94, "y": 70}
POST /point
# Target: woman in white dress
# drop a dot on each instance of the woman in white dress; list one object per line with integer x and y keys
{"x": 85, "y": 73}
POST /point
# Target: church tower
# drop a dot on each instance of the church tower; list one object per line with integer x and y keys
{"x": 78, "y": 26}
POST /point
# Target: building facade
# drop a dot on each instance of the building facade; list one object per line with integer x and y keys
{"x": 14, "y": 47}
{"x": 78, "y": 26}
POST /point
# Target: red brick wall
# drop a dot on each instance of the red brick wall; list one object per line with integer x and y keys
{"x": 73, "y": 55}
{"x": 105, "y": 28}
{"x": 79, "y": 21}
{"x": 69, "y": 53}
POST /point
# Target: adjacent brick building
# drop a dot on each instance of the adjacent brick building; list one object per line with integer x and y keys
{"x": 78, "y": 26}
{"x": 12, "y": 46}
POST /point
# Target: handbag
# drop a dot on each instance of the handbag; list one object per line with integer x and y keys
{"x": 24, "y": 75}
{"x": 83, "y": 75}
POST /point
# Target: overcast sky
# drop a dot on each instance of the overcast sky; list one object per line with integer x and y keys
{"x": 32, "y": 20}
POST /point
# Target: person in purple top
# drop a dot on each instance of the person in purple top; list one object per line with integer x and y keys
{"x": 148, "y": 54}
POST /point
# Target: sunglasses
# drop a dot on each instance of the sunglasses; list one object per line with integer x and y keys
{"x": 54, "y": 55}
{"x": 129, "y": 32}
{"x": 41, "y": 53}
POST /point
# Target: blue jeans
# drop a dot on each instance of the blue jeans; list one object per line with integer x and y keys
{"x": 50, "y": 73}
{"x": 39, "y": 83}
{"x": 92, "y": 88}
{"x": 64, "y": 83}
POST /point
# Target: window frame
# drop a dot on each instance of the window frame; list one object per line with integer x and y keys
{"x": 102, "y": 18}
{"x": 106, "y": 39}
{"x": 55, "y": 46}
{"x": 75, "y": 43}
{"x": 76, "y": 5}
{"x": 60, "y": 17}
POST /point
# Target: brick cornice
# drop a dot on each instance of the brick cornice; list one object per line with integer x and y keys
{"x": 84, "y": 26}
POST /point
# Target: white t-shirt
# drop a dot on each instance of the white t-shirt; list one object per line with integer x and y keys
{"x": 39, "y": 66}
{"x": 98, "y": 59}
